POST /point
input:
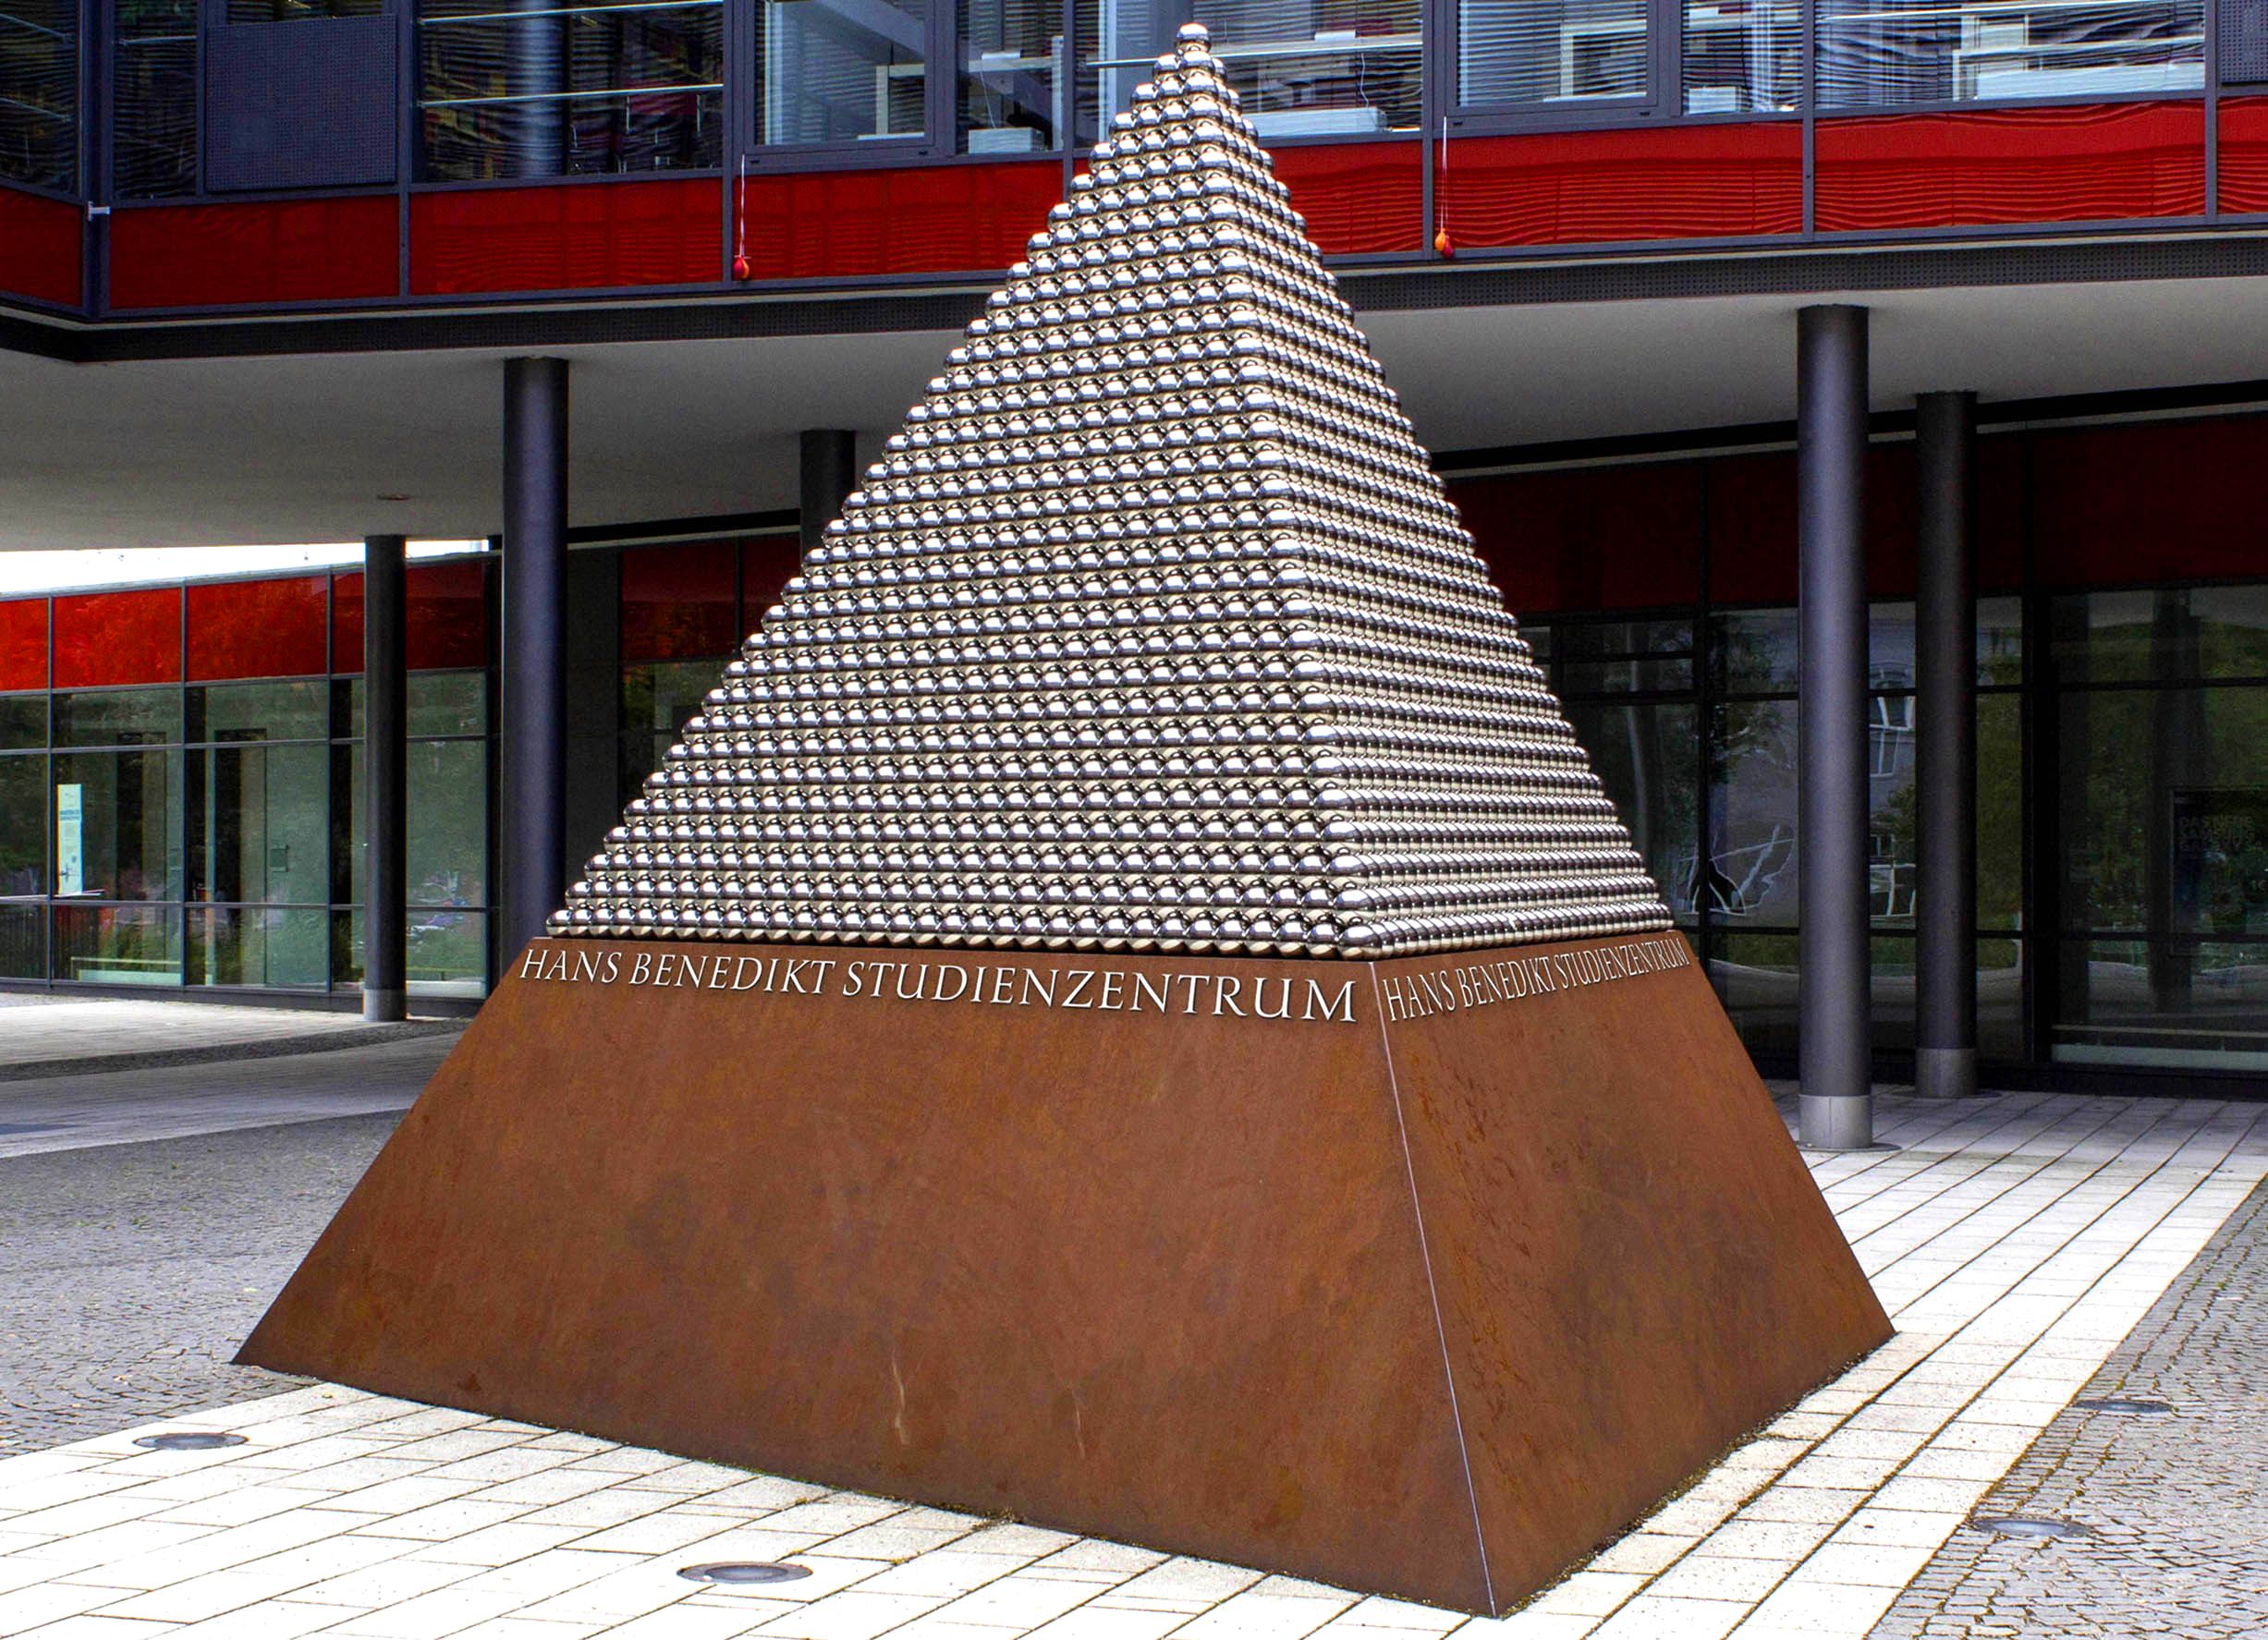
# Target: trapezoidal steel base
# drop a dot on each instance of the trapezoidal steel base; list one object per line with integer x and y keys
{"x": 1422, "y": 1277}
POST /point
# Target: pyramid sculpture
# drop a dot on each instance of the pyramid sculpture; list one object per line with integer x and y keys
{"x": 1148, "y": 681}
{"x": 1154, "y": 631}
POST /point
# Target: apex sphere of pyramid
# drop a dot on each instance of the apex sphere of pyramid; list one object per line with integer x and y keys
{"x": 1193, "y": 34}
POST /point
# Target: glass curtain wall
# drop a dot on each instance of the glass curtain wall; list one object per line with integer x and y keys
{"x": 569, "y": 91}
{"x": 39, "y": 92}
{"x": 153, "y": 94}
{"x": 1903, "y": 53}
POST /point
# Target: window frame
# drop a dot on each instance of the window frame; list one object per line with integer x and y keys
{"x": 940, "y": 99}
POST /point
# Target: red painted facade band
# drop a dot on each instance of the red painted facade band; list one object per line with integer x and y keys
{"x": 1573, "y": 188}
{"x": 271, "y": 628}
{"x": 909, "y": 219}
{"x": 678, "y": 601}
{"x": 766, "y": 566}
{"x": 40, "y": 241}
{"x": 2102, "y": 161}
{"x": 2244, "y": 154}
{"x": 106, "y": 639}
{"x": 1360, "y": 199}
{"x": 264, "y": 253}
{"x": 566, "y": 236}
{"x": 448, "y": 624}
{"x": 23, "y": 644}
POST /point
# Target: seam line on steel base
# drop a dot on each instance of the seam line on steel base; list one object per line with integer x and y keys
{"x": 1425, "y": 1257}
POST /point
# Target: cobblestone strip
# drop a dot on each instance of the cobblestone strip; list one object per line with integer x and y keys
{"x": 2174, "y": 1503}
{"x": 128, "y": 1273}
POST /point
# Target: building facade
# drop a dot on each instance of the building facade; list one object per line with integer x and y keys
{"x": 1581, "y": 232}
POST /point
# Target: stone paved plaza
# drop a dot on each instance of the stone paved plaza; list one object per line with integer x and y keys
{"x": 2031, "y": 1247}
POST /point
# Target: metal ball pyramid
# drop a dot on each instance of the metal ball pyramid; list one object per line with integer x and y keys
{"x": 1153, "y": 631}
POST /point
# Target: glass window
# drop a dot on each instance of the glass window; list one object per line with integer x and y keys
{"x": 23, "y": 942}
{"x": 1895, "y": 53}
{"x": 1756, "y": 976}
{"x": 2000, "y": 812}
{"x": 2169, "y": 634}
{"x": 116, "y": 825}
{"x": 446, "y": 954}
{"x": 119, "y": 717}
{"x": 1011, "y": 84}
{"x": 657, "y": 701}
{"x": 23, "y": 825}
{"x": 2000, "y": 1000}
{"x": 1742, "y": 57}
{"x": 260, "y": 824}
{"x": 833, "y": 71}
{"x": 1750, "y": 876}
{"x": 39, "y": 92}
{"x": 1753, "y": 652}
{"x": 154, "y": 121}
{"x": 117, "y": 944}
{"x": 2000, "y": 642}
{"x": 1321, "y": 68}
{"x": 261, "y": 945}
{"x": 1118, "y": 40}
{"x": 570, "y": 91}
{"x": 439, "y": 703}
{"x": 1647, "y": 757}
{"x": 1623, "y": 657}
{"x": 259, "y": 712}
{"x": 448, "y": 843}
{"x": 1890, "y": 646}
{"x": 23, "y": 722}
{"x": 1891, "y": 825}
{"x": 2172, "y": 1003}
{"x": 288, "y": 11}
{"x": 1549, "y": 53}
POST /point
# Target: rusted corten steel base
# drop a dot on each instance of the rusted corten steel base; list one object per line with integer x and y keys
{"x": 1429, "y": 1287}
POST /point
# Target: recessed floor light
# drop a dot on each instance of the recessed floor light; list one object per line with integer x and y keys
{"x": 744, "y": 1572}
{"x": 2024, "y": 1525}
{"x": 189, "y": 1440}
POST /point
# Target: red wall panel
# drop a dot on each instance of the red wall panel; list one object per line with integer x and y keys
{"x": 1359, "y": 198}
{"x": 767, "y": 564}
{"x": 566, "y": 236}
{"x": 913, "y": 219}
{"x": 2163, "y": 501}
{"x": 118, "y": 637}
{"x": 257, "y": 629}
{"x": 1588, "y": 538}
{"x": 23, "y": 644}
{"x": 281, "y": 250}
{"x": 39, "y": 248}
{"x": 2244, "y": 153}
{"x": 1603, "y": 187}
{"x": 447, "y": 617}
{"x": 678, "y": 601}
{"x": 2099, "y": 161}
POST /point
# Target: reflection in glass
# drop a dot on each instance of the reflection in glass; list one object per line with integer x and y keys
{"x": 259, "y": 712}
{"x": 23, "y": 825}
{"x": 39, "y": 92}
{"x": 2000, "y": 642}
{"x": 1752, "y": 652}
{"x": 117, "y": 822}
{"x": 1750, "y": 875}
{"x": 2171, "y": 634}
{"x": 2000, "y": 1000}
{"x": 23, "y": 942}
{"x": 1891, "y": 825}
{"x": 1755, "y": 976}
{"x": 261, "y": 945}
{"x": 119, "y": 717}
{"x": 1646, "y": 757}
{"x": 23, "y": 722}
{"x": 1549, "y": 52}
{"x": 2177, "y": 1003}
{"x": 447, "y": 843}
{"x": 570, "y": 91}
{"x": 1890, "y": 986}
{"x": 841, "y": 70}
{"x": 1321, "y": 68}
{"x": 1614, "y": 657}
{"x": 290, "y": 11}
{"x": 657, "y": 699}
{"x": 1898, "y": 52}
{"x": 447, "y": 953}
{"x": 153, "y": 116}
{"x": 259, "y": 826}
{"x": 1011, "y": 87}
{"x": 117, "y": 944}
{"x": 2000, "y": 812}
{"x": 1742, "y": 57}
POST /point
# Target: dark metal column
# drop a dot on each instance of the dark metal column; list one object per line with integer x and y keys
{"x": 386, "y": 767}
{"x": 830, "y": 471}
{"x": 1945, "y": 752}
{"x": 533, "y": 832}
{"x": 1835, "y": 1050}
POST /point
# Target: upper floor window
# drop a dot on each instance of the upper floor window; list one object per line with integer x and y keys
{"x": 153, "y": 98}
{"x": 39, "y": 92}
{"x": 1901, "y": 53}
{"x": 1743, "y": 56}
{"x": 569, "y": 91}
{"x": 843, "y": 71}
{"x": 1542, "y": 55}
{"x": 1303, "y": 68}
{"x": 1011, "y": 79}
{"x": 292, "y": 11}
